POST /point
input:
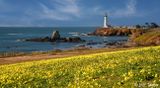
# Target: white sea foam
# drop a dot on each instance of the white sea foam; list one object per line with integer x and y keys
{"x": 77, "y": 34}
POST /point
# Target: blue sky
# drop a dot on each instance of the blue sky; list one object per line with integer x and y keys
{"x": 77, "y": 12}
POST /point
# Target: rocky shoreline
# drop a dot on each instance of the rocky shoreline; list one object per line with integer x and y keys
{"x": 55, "y": 37}
{"x": 150, "y": 38}
{"x": 131, "y": 33}
{"x": 116, "y": 32}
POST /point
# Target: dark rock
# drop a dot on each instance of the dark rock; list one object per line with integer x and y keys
{"x": 72, "y": 39}
{"x": 55, "y": 36}
{"x": 68, "y": 39}
{"x": 76, "y": 39}
{"x": 46, "y": 39}
{"x": 111, "y": 43}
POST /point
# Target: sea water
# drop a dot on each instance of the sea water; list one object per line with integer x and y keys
{"x": 10, "y": 38}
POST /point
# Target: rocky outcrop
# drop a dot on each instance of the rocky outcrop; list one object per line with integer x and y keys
{"x": 55, "y": 37}
{"x": 72, "y": 39}
{"x": 45, "y": 39}
{"x": 115, "y": 32}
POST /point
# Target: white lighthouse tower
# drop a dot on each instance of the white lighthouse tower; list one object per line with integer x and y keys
{"x": 105, "y": 25}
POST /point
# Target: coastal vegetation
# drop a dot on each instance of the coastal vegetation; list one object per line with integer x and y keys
{"x": 147, "y": 25}
{"x": 151, "y": 37}
{"x": 125, "y": 68}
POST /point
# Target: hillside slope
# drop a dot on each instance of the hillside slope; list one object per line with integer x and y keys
{"x": 136, "y": 68}
{"x": 152, "y": 37}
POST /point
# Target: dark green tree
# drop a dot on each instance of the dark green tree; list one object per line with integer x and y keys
{"x": 147, "y": 24}
{"x": 154, "y": 25}
{"x": 138, "y": 26}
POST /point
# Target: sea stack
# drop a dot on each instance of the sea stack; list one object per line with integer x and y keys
{"x": 55, "y": 36}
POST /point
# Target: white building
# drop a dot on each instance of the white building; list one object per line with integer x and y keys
{"x": 105, "y": 25}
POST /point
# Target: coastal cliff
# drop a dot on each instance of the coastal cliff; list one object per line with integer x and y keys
{"x": 116, "y": 32}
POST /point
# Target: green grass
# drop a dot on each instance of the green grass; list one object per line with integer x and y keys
{"x": 126, "y": 68}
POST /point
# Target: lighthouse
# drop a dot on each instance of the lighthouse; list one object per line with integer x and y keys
{"x": 105, "y": 21}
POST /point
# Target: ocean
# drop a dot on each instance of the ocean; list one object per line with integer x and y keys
{"x": 10, "y": 38}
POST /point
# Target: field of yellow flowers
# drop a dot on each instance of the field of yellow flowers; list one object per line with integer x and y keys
{"x": 127, "y": 68}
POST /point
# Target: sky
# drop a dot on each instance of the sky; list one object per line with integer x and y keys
{"x": 51, "y": 13}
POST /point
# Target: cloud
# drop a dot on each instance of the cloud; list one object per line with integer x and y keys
{"x": 48, "y": 13}
{"x": 38, "y": 12}
{"x": 53, "y": 12}
{"x": 129, "y": 10}
{"x": 68, "y": 6}
{"x": 57, "y": 10}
